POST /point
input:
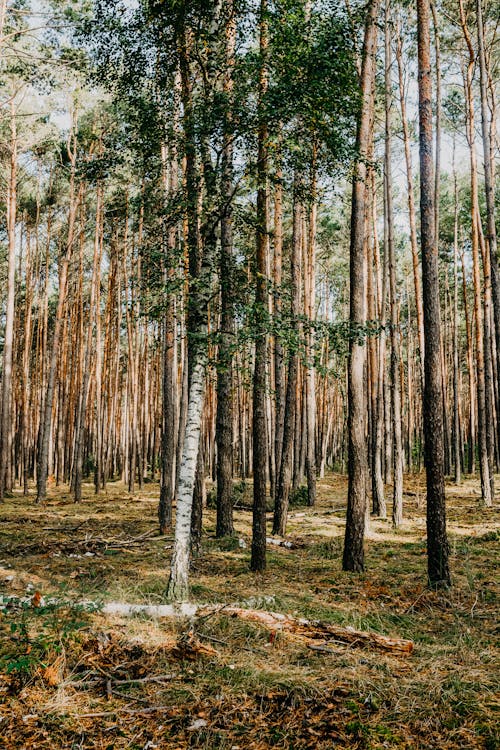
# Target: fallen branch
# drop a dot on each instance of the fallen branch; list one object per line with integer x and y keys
{"x": 308, "y": 630}
{"x": 312, "y": 630}
{"x": 142, "y": 680}
{"x": 280, "y": 542}
{"x": 324, "y": 649}
{"x": 124, "y": 710}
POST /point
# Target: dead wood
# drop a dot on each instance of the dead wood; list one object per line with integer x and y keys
{"x": 312, "y": 630}
{"x": 189, "y": 647}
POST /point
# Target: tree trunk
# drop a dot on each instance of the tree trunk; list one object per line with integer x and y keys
{"x": 178, "y": 586}
{"x": 411, "y": 210}
{"x": 378, "y": 490}
{"x": 397, "y": 454}
{"x": 489, "y": 187}
{"x": 456, "y": 371}
{"x": 353, "y": 556}
{"x": 310, "y": 305}
{"x": 224, "y": 422}
{"x": 437, "y": 542}
{"x": 46, "y": 411}
{"x": 289, "y": 429}
{"x": 259, "y": 429}
{"x": 8, "y": 346}
{"x": 481, "y": 374}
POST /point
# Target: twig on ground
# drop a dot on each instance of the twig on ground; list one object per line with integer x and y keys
{"x": 123, "y": 710}
{"x": 130, "y": 697}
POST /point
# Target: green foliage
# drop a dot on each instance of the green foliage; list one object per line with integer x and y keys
{"x": 299, "y": 497}
{"x": 37, "y": 634}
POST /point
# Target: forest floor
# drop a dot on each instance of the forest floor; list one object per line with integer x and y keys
{"x": 75, "y": 678}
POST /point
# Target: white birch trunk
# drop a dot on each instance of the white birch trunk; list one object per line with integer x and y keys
{"x": 178, "y": 584}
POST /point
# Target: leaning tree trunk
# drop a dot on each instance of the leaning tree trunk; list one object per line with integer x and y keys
{"x": 437, "y": 542}
{"x": 353, "y": 557}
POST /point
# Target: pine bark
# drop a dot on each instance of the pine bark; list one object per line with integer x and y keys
{"x": 46, "y": 410}
{"x": 224, "y": 420}
{"x": 397, "y": 454}
{"x": 8, "y": 346}
{"x": 482, "y": 346}
{"x": 290, "y": 416}
{"x": 437, "y": 542}
{"x": 259, "y": 427}
{"x": 353, "y": 556}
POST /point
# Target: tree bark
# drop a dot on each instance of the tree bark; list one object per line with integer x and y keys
{"x": 353, "y": 556}
{"x": 289, "y": 429}
{"x": 481, "y": 353}
{"x": 437, "y": 542}
{"x": 46, "y": 411}
{"x": 259, "y": 428}
{"x": 8, "y": 347}
{"x": 397, "y": 453}
{"x": 224, "y": 420}
{"x": 489, "y": 187}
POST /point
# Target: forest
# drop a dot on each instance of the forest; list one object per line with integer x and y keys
{"x": 249, "y": 374}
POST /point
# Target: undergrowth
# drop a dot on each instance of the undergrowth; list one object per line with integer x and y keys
{"x": 70, "y": 677}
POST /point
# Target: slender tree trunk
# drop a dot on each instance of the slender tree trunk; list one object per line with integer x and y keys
{"x": 46, "y": 412}
{"x": 397, "y": 454}
{"x": 199, "y": 502}
{"x": 224, "y": 423}
{"x": 471, "y": 463}
{"x": 201, "y": 256}
{"x": 411, "y": 209}
{"x": 178, "y": 587}
{"x": 259, "y": 429}
{"x": 481, "y": 374}
{"x": 8, "y": 346}
{"x": 279, "y": 370}
{"x": 353, "y": 556}
{"x": 489, "y": 187}
{"x": 169, "y": 359}
{"x": 378, "y": 490}
{"x": 437, "y": 542}
{"x": 289, "y": 429}
{"x": 456, "y": 371}
{"x": 310, "y": 305}
{"x": 87, "y": 369}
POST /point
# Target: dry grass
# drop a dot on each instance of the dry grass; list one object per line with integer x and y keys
{"x": 248, "y": 689}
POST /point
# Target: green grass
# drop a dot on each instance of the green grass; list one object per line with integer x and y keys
{"x": 252, "y": 690}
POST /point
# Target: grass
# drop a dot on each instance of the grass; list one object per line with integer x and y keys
{"x": 249, "y": 689}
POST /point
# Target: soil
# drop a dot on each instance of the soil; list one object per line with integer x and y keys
{"x": 71, "y": 677}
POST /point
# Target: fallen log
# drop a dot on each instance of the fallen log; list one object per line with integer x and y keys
{"x": 280, "y": 542}
{"x": 314, "y": 630}
{"x": 309, "y": 631}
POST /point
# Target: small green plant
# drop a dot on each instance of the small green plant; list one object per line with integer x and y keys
{"x": 212, "y": 498}
{"x": 299, "y": 497}
{"x": 328, "y": 550}
{"x": 35, "y": 635}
